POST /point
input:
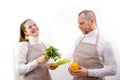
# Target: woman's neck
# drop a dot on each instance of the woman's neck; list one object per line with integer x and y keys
{"x": 33, "y": 40}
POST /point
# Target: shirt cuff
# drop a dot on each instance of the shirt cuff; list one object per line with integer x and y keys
{"x": 90, "y": 72}
{"x": 34, "y": 63}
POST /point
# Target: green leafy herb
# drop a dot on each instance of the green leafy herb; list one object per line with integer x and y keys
{"x": 53, "y": 53}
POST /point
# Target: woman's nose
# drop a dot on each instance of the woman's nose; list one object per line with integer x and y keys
{"x": 33, "y": 27}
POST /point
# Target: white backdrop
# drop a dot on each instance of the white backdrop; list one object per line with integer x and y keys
{"x": 57, "y": 20}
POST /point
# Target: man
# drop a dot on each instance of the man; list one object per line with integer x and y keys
{"x": 93, "y": 52}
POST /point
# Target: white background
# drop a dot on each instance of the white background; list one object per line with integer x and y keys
{"x": 57, "y": 20}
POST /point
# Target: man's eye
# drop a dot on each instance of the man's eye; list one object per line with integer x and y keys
{"x": 82, "y": 23}
{"x": 34, "y": 24}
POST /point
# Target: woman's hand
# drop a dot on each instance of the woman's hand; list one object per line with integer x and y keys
{"x": 42, "y": 59}
{"x": 51, "y": 67}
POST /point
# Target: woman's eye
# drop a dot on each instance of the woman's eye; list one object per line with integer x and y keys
{"x": 29, "y": 27}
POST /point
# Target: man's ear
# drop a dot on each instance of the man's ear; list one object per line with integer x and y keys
{"x": 92, "y": 21}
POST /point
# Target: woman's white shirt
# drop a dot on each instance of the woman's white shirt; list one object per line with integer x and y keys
{"x": 20, "y": 56}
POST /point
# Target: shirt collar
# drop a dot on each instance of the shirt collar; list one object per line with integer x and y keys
{"x": 33, "y": 40}
{"x": 92, "y": 33}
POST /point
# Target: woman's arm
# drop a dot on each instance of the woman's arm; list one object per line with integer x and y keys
{"x": 20, "y": 59}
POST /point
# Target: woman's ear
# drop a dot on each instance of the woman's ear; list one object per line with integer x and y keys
{"x": 26, "y": 33}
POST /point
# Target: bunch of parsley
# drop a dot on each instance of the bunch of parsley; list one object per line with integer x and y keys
{"x": 53, "y": 53}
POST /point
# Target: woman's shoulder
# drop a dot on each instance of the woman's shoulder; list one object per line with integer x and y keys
{"x": 21, "y": 49}
{"x": 22, "y": 44}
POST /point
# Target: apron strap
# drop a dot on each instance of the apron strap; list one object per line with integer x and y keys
{"x": 82, "y": 38}
{"x": 97, "y": 37}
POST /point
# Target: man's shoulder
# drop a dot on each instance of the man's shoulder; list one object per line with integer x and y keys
{"x": 104, "y": 39}
{"x": 78, "y": 39}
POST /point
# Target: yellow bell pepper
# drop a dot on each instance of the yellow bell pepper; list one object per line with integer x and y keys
{"x": 74, "y": 66}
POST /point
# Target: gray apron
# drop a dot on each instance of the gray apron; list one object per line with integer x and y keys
{"x": 86, "y": 55}
{"x": 40, "y": 72}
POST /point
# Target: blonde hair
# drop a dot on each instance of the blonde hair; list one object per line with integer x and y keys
{"x": 22, "y": 37}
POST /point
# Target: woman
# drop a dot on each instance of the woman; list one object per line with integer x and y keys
{"x": 29, "y": 58}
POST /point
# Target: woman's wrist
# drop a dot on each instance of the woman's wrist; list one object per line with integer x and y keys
{"x": 38, "y": 61}
{"x": 42, "y": 59}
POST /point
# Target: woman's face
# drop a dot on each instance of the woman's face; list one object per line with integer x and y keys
{"x": 31, "y": 28}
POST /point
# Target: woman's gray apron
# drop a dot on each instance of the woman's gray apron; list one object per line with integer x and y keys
{"x": 86, "y": 55}
{"x": 40, "y": 72}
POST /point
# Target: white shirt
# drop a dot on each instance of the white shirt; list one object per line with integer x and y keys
{"x": 106, "y": 54}
{"x": 20, "y": 56}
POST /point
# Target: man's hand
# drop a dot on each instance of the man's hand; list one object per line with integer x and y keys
{"x": 83, "y": 72}
{"x": 69, "y": 69}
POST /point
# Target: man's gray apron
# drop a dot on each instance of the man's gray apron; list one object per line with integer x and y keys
{"x": 86, "y": 55}
{"x": 40, "y": 72}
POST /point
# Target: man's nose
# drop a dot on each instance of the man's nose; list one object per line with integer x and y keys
{"x": 80, "y": 26}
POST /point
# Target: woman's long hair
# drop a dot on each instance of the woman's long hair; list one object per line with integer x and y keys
{"x": 22, "y": 37}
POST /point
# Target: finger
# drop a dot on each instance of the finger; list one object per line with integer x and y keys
{"x": 69, "y": 68}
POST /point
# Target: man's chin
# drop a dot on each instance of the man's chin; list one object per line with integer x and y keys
{"x": 85, "y": 32}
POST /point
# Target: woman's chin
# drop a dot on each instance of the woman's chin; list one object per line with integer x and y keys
{"x": 35, "y": 35}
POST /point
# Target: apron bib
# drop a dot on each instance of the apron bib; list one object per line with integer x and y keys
{"x": 86, "y": 55}
{"x": 41, "y": 72}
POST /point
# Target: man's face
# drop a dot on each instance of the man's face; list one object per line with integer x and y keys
{"x": 84, "y": 24}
